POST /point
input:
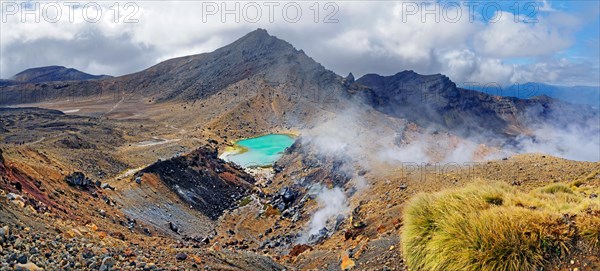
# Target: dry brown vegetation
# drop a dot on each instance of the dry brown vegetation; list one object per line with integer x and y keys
{"x": 497, "y": 227}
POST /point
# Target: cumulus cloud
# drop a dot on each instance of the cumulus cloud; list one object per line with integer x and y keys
{"x": 561, "y": 71}
{"x": 88, "y": 54}
{"x": 470, "y": 67}
{"x": 507, "y": 38}
{"x": 380, "y": 37}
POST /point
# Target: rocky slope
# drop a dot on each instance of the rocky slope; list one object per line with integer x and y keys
{"x": 257, "y": 56}
{"x": 202, "y": 180}
{"x": 53, "y": 73}
{"x": 53, "y": 221}
{"x": 435, "y": 100}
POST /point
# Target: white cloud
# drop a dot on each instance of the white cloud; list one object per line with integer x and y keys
{"x": 394, "y": 33}
{"x": 507, "y": 38}
{"x": 557, "y": 71}
{"x": 471, "y": 68}
{"x": 377, "y": 37}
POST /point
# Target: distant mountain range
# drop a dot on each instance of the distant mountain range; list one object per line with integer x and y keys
{"x": 50, "y": 74}
{"x": 260, "y": 60}
{"x": 576, "y": 94}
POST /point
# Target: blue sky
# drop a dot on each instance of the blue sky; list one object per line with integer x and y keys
{"x": 562, "y": 48}
{"x": 586, "y": 38}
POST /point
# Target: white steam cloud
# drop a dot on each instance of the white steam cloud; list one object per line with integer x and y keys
{"x": 363, "y": 137}
{"x": 574, "y": 142}
{"x": 333, "y": 203}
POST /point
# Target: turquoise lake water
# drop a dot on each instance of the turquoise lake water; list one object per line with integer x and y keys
{"x": 260, "y": 151}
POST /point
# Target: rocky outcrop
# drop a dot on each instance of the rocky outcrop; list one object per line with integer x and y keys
{"x": 204, "y": 181}
{"x": 78, "y": 179}
{"x": 435, "y": 100}
{"x": 424, "y": 99}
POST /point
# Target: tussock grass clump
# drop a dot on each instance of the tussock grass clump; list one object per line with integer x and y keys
{"x": 556, "y": 188}
{"x": 496, "y": 227}
{"x": 589, "y": 227}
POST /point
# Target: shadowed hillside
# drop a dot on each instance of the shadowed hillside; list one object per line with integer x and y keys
{"x": 54, "y": 73}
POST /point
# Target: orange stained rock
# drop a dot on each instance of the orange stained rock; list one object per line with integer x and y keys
{"x": 196, "y": 259}
{"x": 381, "y": 229}
{"x": 92, "y": 227}
{"x": 347, "y": 263}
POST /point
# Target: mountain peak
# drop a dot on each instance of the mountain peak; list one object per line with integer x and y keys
{"x": 350, "y": 78}
{"x": 256, "y": 54}
{"x": 259, "y": 32}
{"x": 260, "y": 39}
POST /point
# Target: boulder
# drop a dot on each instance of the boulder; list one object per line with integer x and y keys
{"x": 107, "y": 264}
{"x": 173, "y": 227}
{"x": 288, "y": 195}
{"x": 27, "y": 267}
{"x": 181, "y": 256}
{"x": 78, "y": 179}
{"x": 107, "y": 186}
{"x": 22, "y": 259}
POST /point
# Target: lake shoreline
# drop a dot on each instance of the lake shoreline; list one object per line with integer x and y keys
{"x": 258, "y": 152}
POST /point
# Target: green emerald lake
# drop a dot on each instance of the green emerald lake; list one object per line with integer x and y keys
{"x": 259, "y": 151}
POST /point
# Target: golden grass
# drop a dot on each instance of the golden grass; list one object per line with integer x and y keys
{"x": 556, "y": 188}
{"x": 496, "y": 227}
